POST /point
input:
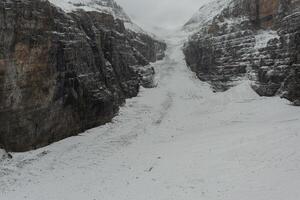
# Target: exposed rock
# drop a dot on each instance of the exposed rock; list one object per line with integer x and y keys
{"x": 146, "y": 74}
{"x": 61, "y": 74}
{"x": 4, "y": 154}
{"x": 255, "y": 39}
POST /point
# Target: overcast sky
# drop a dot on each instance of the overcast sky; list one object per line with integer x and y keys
{"x": 160, "y": 13}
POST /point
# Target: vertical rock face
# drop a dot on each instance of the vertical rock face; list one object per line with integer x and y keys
{"x": 266, "y": 11}
{"x": 61, "y": 74}
{"x": 258, "y": 39}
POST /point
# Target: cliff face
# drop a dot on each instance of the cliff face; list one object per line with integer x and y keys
{"x": 62, "y": 73}
{"x": 255, "y": 39}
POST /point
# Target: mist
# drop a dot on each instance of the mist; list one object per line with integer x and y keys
{"x": 160, "y": 14}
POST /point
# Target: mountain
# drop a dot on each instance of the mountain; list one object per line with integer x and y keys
{"x": 67, "y": 66}
{"x": 206, "y": 14}
{"x": 104, "y": 6}
{"x": 246, "y": 39}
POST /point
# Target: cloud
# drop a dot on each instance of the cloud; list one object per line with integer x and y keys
{"x": 168, "y": 14}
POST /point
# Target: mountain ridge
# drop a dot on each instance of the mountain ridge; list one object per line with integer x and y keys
{"x": 103, "y": 6}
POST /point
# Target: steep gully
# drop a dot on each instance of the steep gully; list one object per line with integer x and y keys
{"x": 176, "y": 141}
{"x": 81, "y": 65}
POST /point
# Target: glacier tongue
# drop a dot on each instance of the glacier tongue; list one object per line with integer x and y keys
{"x": 177, "y": 141}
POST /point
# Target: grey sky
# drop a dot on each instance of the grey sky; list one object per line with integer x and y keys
{"x": 160, "y": 13}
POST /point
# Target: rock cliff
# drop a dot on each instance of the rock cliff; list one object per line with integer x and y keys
{"x": 255, "y": 39}
{"x": 64, "y": 72}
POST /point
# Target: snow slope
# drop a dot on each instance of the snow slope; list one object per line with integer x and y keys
{"x": 177, "y": 141}
{"x": 206, "y": 14}
{"x": 103, "y": 6}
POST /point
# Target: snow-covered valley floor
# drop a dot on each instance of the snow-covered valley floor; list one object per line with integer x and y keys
{"x": 179, "y": 141}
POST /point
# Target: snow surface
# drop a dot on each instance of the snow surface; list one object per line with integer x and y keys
{"x": 179, "y": 141}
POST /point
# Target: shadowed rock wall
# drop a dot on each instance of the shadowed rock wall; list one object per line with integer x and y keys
{"x": 61, "y": 74}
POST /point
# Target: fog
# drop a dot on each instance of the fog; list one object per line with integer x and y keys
{"x": 157, "y": 14}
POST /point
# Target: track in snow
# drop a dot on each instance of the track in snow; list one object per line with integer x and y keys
{"x": 177, "y": 141}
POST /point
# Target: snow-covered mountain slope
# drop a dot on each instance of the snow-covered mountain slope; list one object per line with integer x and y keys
{"x": 103, "y": 6}
{"x": 107, "y": 6}
{"x": 132, "y": 26}
{"x": 179, "y": 141}
{"x": 206, "y": 14}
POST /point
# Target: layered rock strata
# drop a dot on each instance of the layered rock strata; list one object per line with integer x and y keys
{"x": 62, "y": 73}
{"x": 251, "y": 39}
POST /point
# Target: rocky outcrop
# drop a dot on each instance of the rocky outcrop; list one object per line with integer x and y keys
{"x": 4, "y": 155}
{"x": 62, "y": 73}
{"x": 255, "y": 39}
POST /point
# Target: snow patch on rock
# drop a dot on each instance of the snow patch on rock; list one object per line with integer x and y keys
{"x": 263, "y": 37}
{"x": 105, "y": 6}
